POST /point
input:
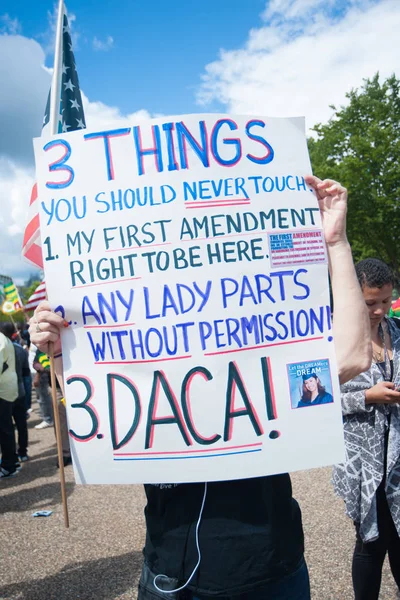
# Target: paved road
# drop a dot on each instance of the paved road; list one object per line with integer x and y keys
{"x": 99, "y": 557}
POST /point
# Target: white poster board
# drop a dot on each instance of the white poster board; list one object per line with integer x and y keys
{"x": 187, "y": 255}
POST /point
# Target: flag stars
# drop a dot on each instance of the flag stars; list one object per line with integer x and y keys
{"x": 74, "y": 104}
{"x": 70, "y": 104}
{"x": 69, "y": 86}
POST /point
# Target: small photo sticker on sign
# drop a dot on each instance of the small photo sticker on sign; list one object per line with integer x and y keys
{"x": 310, "y": 383}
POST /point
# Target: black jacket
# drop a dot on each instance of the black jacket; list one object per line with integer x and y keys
{"x": 21, "y": 367}
{"x": 250, "y": 533}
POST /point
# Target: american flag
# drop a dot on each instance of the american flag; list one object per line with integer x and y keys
{"x": 38, "y": 296}
{"x": 71, "y": 117}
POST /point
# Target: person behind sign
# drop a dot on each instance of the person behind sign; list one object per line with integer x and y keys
{"x": 249, "y": 531}
{"x": 19, "y": 405}
{"x": 369, "y": 480}
{"x": 313, "y": 392}
{"x": 8, "y": 393}
{"x": 41, "y": 381}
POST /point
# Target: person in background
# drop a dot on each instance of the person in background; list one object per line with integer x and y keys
{"x": 45, "y": 391}
{"x": 41, "y": 381}
{"x": 34, "y": 379}
{"x": 23, "y": 330}
{"x": 369, "y": 480}
{"x": 8, "y": 393}
{"x": 28, "y": 391}
{"x": 25, "y": 341}
{"x": 19, "y": 405}
{"x": 250, "y": 536}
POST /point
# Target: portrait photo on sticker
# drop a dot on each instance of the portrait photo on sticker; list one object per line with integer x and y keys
{"x": 310, "y": 383}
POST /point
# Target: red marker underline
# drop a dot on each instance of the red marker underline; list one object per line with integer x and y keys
{"x": 116, "y": 281}
{"x": 187, "y": 451}
{"x": 213, "y": 204}
{"x": 136, "y": 362}
{"x": 138, "y": 247}
{"x": 108, "y": 326}
{"x": 225, "y": 235}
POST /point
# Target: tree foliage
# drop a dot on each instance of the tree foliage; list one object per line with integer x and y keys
{"x": 28, "y": 288}
{"x": 360, "y": 147}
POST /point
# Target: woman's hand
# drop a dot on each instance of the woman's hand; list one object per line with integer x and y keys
{"x": 383, "y": 392}
{"x": 45, "y": 326}
{"x": 332, "y": 200}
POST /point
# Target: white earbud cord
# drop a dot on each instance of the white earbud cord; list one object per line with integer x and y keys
{"x": 198, "y": 552}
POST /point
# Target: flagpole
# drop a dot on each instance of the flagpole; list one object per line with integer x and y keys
{"x": 58, "y": 434}
{"x": 55, "y": 96}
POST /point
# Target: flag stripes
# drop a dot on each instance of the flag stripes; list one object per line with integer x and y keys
{"x": 38, "y": 296}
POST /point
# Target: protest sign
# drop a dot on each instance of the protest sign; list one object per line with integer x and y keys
{"x": 188, "y": 257}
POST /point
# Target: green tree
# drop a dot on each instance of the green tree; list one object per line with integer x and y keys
{"x": 360, "y": 147}
{"x": 28, "y": 288}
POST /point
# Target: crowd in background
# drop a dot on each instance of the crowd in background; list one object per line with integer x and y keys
{"x": 23, "y": 369}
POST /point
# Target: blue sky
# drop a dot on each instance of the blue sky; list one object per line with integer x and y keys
{"x": 137, "y": 60}
{"x": 156, "y": 56}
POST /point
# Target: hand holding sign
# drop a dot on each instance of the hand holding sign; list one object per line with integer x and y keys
{"x": 332, "y": 200}
{"x": 45, "y": 326}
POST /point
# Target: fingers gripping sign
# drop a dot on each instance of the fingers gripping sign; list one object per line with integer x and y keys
{"x": 332, "y": 201}
{"x": 45, "y": 327}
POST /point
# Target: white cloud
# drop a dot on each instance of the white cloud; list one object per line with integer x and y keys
{"x": 305, "y": 58}
{"x": 99, "y": 115}
{"x": 105, "y": 45}
{"x": 283, "y": 11}
{"x": 9, "y": 25}
{"x": 22, "y": 103}
{"x": 23, "y": 98}
{"x": 15, "y": 189}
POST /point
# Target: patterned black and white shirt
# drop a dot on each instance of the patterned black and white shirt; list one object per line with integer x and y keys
{"x": 365, "y": 426}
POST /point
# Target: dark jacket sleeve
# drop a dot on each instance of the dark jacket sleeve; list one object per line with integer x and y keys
{"x": 25, "y": 365}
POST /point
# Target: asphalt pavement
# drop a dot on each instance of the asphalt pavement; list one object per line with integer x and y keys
{"x": 99, "y": 557}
